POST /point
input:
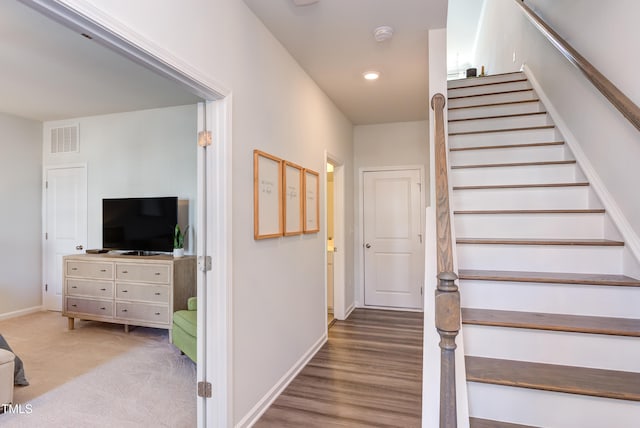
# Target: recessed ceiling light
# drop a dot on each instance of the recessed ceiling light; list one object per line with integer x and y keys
{"x": 371, "y": 75}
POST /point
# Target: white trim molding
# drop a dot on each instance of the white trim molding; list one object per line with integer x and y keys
{"x": 21, "y": 312}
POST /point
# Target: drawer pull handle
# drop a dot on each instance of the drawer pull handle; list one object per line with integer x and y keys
{"x": 125, "y": 291}
{"x": 125, "y": 310}
{"x": 74, "y": 268}
{"x": 74, "y": 306}
{"x": 103, "y": 289}
{"x": 74, "y": 286}
{"x": 103, "y": 309}
{"x": 157, "y": 313}
{"x": 158, "y": 293}
{"x": 103, "y": 270}
{"x": 157, "y": 273}
{"x": 125, "y": 271}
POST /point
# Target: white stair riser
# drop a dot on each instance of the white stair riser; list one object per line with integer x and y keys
{"x": 552, "y": 347}
{"x": 522, "y": 199}
{"x": 451, "y": 84}
{"x": 541, "y": 258}
{"x": 500, "y": 123}
{"x": 558, "y": 226}
{"x": 542, "y": 174}
{"x": 510, "y": 155}
{"x": 570, "y": 299}
{"x": 491, "y": 99}
{"x": 549, "y": 409}
{"x": 497, "y": 110}
{"x": 542, "y": 135}
{"x": 488, "y": 89}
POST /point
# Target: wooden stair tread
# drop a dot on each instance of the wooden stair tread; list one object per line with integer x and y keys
{"x": 563, "y": 211}
{"x": 521, "y": 186}
{"x": 501, "y": 165}
{"x": 553, "y": 322}
{"x": 524, "y": 79}
{"x": 518, "y": 241}
{"x": 479, "y": 78}
{"x": 492, "y": 93}
{"x": 490, "y": 131}
{"x": 550, "y": 377}
{"x": 507, "y": 146}
{"x": 486, "y": 423}
{"x": 535, "y": 100}
{"x": 502, "y": 116}
{"x": 549, "y": 277}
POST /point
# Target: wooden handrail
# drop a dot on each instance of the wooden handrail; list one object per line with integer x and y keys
{"x": 447, "y": 300}
{"x": 627, "y": 107}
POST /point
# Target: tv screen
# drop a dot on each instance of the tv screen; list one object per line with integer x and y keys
{"x": 140, "y": 224}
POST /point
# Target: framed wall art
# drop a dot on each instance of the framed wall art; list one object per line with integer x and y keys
{"x": 292, "y": 205}
{"x": 267, "y": 196}
{"x": 311, "y": 201}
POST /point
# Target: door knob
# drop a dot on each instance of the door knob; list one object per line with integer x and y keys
{"x": 79, "y": 247}
{"x": 368, "y": 245}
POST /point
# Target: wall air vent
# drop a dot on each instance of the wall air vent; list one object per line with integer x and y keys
{"x": 65, "y": 139}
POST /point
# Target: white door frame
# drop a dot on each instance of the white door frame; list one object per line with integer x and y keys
{"x": 360, "y": 233}
{"x": 45, "y": 175}
{"x": 340, "y": 311}
{"x": 214, "y": 342}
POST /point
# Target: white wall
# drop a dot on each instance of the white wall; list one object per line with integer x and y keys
{"x": 20, "y": 215}
{"x": 383, "y": 145}
{"x": 602, "y": 32}
{"x": 278, "y": 284}
{"x": 136, "y": 154}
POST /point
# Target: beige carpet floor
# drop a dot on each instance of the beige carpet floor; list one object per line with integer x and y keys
{"x": 98, "y": 376}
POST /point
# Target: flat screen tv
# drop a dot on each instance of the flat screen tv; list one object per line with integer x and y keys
{"x": 139, "y": 224}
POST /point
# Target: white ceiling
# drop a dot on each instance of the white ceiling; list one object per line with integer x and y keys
{"x": 333, "y": 41}
{"x": 49, "y": 72}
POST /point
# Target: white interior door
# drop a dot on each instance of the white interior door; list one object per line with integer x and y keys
{"x": 65, "y": 226}
{"x": 393, "y": 249}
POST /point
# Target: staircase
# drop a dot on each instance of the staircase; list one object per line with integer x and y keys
{"x": 549, "y": 320}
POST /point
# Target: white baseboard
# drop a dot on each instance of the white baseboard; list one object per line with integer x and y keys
{"x": 349, "y": 310}
{"x": 21, "y": 312}
{"x": 261, "y": 406}
{"x": 631, "y": 239}
{"x": 389, "y": 308}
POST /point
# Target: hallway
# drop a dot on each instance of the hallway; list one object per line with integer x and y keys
{"x": 369, "y": 373}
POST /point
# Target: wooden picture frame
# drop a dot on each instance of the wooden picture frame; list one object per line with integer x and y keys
{"x": 292, "y": 202}
{"x": 267, "y": 196}
{"x": 311, "y": 201}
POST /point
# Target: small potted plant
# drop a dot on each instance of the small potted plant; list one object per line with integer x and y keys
{"x": 178, "y": 241}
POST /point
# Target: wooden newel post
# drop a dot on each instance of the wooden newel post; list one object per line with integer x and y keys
{"x": 447, "y": 306}
{"x": 448, "y": 326}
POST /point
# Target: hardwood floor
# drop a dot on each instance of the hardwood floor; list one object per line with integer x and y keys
{"x": 369, "y": 373}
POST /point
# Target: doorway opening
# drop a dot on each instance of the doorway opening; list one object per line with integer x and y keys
{"x": 330, "y": 241}
{"x": 214, "y": 408}
{"x": 335, "y": 239}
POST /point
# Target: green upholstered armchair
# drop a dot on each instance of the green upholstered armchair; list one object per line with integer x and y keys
{"x": 184, "y": 329}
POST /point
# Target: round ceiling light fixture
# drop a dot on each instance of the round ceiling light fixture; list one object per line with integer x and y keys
{"x": 383, "y": 33}
{"x": 371, "y": 75}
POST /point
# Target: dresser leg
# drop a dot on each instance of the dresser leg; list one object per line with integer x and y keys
{"x": 126, "y": 328}
{"x": 70, "y": 323}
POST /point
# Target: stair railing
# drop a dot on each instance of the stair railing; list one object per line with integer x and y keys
{"x": 447, "y": 300}
{"x": 627, "y": 107}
